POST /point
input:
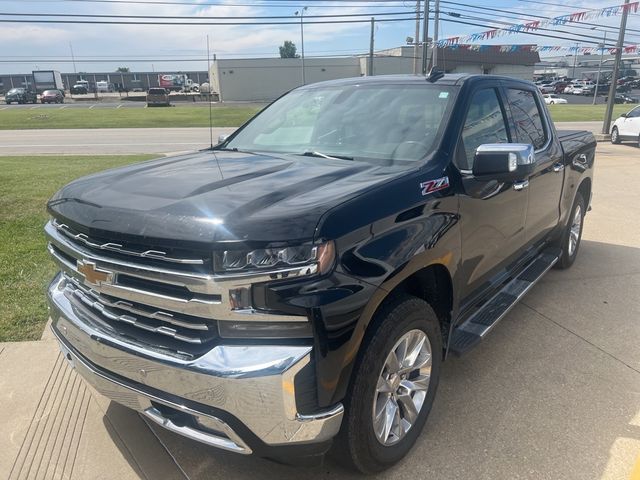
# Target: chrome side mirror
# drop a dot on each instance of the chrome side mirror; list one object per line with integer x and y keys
{"x": 504, "y": 160}
{"x": 222, "y": 138}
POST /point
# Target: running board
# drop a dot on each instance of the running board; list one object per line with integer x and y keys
{"x": 475, "y": 328}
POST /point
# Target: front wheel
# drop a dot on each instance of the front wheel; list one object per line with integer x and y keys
{"x": 570, "y": 240}
{"x": 393, "y": 387}
{"x": 615, "y": 136}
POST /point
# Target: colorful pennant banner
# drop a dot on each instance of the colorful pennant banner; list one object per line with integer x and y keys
{"x": 540, "y": 48}
{"x": 537, "y": 24}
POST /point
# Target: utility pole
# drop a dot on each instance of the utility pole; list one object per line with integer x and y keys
{"x": 436, "y": 21}
{"x": 73, "y": 59}
{"x": 425, "y": 38}
{"x": 604, "y": 44}
{"x": 370, "y": 69}
{"x": 301, "y": 13}
{"x": 575, "y": 58}
{"x": 616, "y": 68}
{"x": 416, "y": 41}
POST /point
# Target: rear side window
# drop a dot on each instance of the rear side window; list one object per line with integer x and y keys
{"x": 485, "y": 123}
{"x": 527, "y": 118}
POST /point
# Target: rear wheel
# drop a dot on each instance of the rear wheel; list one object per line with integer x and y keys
{"x": 393, "y": 387}
{"x": 615, "y": 136}
{"x": 570, "y": 240}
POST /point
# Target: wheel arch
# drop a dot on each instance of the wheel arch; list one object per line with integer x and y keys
{"x": 585, "y": 190}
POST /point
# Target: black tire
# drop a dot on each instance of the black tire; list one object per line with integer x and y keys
{"x": 638, "y": 143}
{"x": 615, "y": 136}
{"x": 357, "y": 445}
{"x": 568, "y": 255}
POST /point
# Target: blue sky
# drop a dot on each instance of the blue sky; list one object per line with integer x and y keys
{"x": 44, "y": 45}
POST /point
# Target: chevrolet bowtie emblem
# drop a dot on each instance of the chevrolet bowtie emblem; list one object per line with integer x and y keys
{"x": 92, "y": 274}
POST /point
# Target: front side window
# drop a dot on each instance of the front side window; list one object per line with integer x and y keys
{"x": 635, "y": 113}
{"x": 485, "y": 123}
{"x": 376, "y": 123}
{"x": 527, "y": 117}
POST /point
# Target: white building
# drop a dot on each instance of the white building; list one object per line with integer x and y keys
{"x": 263, "y": 79}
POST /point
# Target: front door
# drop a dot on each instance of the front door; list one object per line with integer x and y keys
{"x": 492, "y": 213}
{"x": 630, "y": 126}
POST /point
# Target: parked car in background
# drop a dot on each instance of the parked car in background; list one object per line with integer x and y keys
{"x": 622, "y": 98}
{"x": 627, "y": 127}
{"x": 81, "y": 87}
{"x": 548, "y": 88}
{"x": 104, "y": 87}
{"x": 158, "y": 97}
{"x": 20, "y": 95}
{"x": 558, "y": 87}
{"x": 553, "y": 99}
{"x": 52, "y": 96}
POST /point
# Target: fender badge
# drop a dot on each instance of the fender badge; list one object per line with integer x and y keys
{"x": 434, "y": 185}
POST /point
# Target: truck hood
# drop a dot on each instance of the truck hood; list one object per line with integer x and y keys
{"x": 221, "y": 197}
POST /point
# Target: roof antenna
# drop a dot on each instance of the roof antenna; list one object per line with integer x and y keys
{"x": 209, "y": 94}
{"x": 434, "y": 74}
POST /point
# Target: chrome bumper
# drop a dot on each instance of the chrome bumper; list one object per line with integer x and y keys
{"x": 253, "y": 385}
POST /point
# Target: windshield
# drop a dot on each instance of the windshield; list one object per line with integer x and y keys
{"x": 16, "y": 90}
{"x": 377, "y": 123}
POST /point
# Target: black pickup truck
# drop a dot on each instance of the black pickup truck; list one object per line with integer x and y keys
{"x": 302, "y": 282}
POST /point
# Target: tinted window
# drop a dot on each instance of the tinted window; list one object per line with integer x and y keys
{"x": 484, "y": 124}
{"x": 634, "y": 113}
{"x": 527, "y": 118}
{"x": 157, "y": 91}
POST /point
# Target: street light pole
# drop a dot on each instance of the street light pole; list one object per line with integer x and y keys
{"x": 434, "y": 43}
{"x": 616, "y": 68}
{"x": 604, "y": 44}
{"x": 416, "y": 42}
{"x": 575, "y": 58}
{"x": 301, "y": 13}
{"x": 425, "y": 38}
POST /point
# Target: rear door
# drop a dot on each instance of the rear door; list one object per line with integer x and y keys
{"x": 531, "y": 125}
{"x": 492, "y": 213}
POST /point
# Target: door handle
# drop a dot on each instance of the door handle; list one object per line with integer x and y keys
{"x": 518, "y": 186}
{"x": 558, "y": 167}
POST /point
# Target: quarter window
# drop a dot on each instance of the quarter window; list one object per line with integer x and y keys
{"x": 485, "y": 123}
{"x": 527, "y": 118}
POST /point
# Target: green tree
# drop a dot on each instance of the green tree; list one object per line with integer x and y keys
{"x": 288, "y": 50}
{"x": 123, "y": 70}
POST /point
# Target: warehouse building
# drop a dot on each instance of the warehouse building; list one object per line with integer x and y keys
{"x": 260, "y": 79}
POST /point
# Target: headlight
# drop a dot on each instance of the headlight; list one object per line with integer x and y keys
{"x": 320, "y": 256}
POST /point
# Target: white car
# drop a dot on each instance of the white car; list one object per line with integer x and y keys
{"x": 627, "y": 127}
{"x": 553, "y": 99}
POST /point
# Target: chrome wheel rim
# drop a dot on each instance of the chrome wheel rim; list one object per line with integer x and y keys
{"x": 402, "y": 387}
{"x": 614, "y": 135}
{"x": 574, "y": 232}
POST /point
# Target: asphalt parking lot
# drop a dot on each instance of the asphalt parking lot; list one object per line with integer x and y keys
{"x": 553, "y": 393}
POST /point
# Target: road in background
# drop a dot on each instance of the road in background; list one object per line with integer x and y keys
{"x": 106, "y": 140}
{"x": 137, "y": 140}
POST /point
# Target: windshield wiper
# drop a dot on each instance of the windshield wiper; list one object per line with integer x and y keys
{"x": 324, "y": 155}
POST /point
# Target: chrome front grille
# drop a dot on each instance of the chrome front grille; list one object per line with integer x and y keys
{"x": 168, "y": 305}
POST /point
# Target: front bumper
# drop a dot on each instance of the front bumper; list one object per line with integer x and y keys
{"x": 240, "y": 398}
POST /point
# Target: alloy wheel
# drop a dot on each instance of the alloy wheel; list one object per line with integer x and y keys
{"x": 402, "y": 387}
{"x": 574, "y": 232}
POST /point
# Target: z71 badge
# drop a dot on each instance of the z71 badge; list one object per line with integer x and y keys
{"x": 434, "y": 185}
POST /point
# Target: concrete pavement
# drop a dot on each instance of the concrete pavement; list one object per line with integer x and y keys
{"x": 136, "y": 140}
{"x": 553, "y": 393}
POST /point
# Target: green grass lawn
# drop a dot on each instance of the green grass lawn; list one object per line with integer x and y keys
{"x": 22, "y": 119}
{"x": 584, "y": 113}
{"x": 25, "y": 268}
{"x": 185, "y": 116}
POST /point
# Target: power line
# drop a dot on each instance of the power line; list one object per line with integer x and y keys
{"x": 191, "y": 17}
{"x": 119, "y": 22}
{"x": 359, "y": 3}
